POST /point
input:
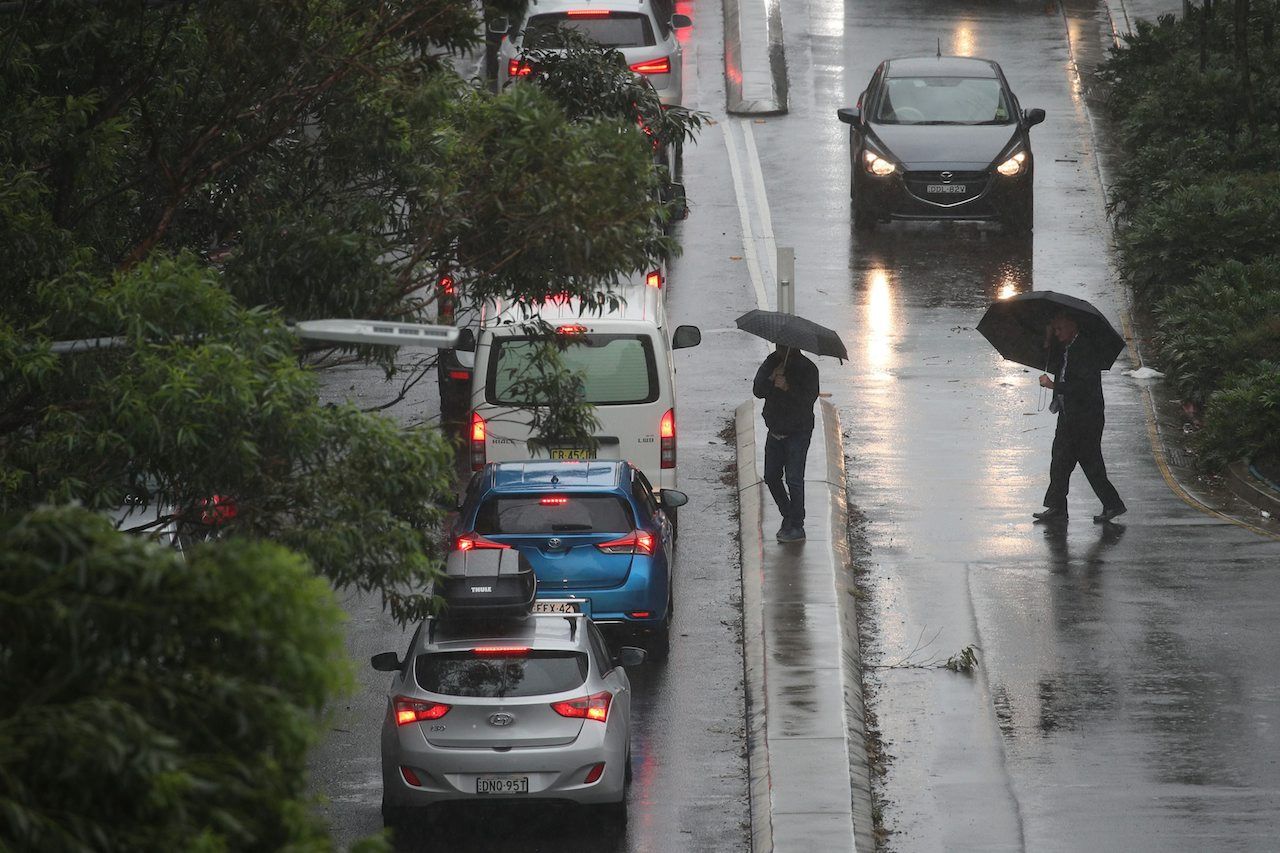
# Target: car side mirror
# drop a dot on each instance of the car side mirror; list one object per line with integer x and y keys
{"x": 1033, "y": 117}
{"x": 686, "y": 336}
{"x": 386, "y": 662}
{"x": 630, "y": 656}
{"x": 849, "y": 115}
{"x": 679, "y": 22}
{"x": 672, "y": 498}
{"x": 466, "y": 341}
{"x": 499, "y": 26}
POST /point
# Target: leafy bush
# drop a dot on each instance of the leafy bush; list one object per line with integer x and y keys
{"x": 155, "y": 705}
{"x": 1243, "y": 416}
{"x": 1228, "y": 316}
{"x": 1226, "y": 217}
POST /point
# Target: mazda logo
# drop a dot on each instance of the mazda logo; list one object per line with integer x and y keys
{"x": 501, "y": 720}
{"x": 553, "y": 543}
{"x": 946, "y": 177}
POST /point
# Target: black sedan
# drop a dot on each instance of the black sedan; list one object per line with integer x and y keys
{"x": 940, "y": 137}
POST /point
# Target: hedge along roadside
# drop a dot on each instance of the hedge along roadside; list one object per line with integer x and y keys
{"x": 1198, "y": 216}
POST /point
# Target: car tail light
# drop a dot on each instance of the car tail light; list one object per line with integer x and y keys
{"x": 410, "y": 710}
{"x": 654, "y": 279}
{"x": 571, "y": 329}
{"x": 653, "y": 66}
{"x": 641, "y": 614}
{"x": 594, "y": 774}
{"x": 635, "y": 542}
{"x": 519, "y": 68}
{"x": 410, "y": 777}
{"x": 667, "y": 440}
{"x": 445, "y": 290}
{"x": 501, "y": 651}
{"x": 594, "y": 707}
{"x": 588, "y": 13}
{"x": 475, "y": 542}
{"x": 459, "y": 375}
{"x": 478, "y": 451}
{"x": 217, "y": 510}
{"x": 553, "y": 500}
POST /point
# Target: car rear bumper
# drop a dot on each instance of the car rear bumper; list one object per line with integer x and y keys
{"x": 554, "y": 773}
{"x": 645, "y": 590}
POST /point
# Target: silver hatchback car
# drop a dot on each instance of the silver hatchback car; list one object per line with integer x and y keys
{"x": 530, "y": 708}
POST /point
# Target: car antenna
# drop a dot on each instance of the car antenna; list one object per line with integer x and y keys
{"x": 939, "y": 47}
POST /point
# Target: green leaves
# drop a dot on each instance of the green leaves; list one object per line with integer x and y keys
{"x": 153, "y": 704}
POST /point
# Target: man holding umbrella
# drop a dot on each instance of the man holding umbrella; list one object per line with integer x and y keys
{"x": 1078, "y": 402}
{"x": 1073, "y": 340}
{"x": 788, "y": 384}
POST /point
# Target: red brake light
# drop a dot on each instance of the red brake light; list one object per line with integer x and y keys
{"x": 447, "y": 285}
{"x": 654, "y": 279}
{"x": 478, "y": 451}
{"x": 571, "y": 329}
{"x": 635, "y": 542}
{"x": 410, "y": 777}
{"x": 217, "y": 510}
{"x": 554, "y": 500}
{"x": 667, "y": 440}
{"x": 459, "y": 375}
{"x": 640, "y": 614}
{"x": 588, "y": 13}
{"x": 518, "y": 68}
{"x": 501, "y": 651}
{"x": 587, "y": 708}
{"x": 653, "y": 66}
{"x": 410, "y": 710}
{"x": 594, "y": 774}
{"x": 475, "y": 542}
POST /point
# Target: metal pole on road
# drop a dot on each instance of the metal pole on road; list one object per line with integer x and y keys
{"x": 786, "y": 279}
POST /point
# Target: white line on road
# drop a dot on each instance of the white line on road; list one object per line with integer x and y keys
{"x": 744, "y": 216}
{"x": 762, "y": 201}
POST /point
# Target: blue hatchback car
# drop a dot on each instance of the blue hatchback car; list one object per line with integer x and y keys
{"x": 591, "y": 529}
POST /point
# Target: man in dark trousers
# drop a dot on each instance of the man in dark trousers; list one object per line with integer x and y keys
{"x": 1077, "y": 399}
{"x": 788, "y": 384}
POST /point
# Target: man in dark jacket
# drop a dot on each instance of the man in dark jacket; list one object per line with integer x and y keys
{"x": 1077, "y": 399}
{"x": 788, "y": 384}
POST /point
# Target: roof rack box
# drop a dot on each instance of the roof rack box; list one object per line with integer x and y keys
{"x": 488, "y": 582}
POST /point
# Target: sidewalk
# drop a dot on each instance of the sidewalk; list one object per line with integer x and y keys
{"x": 810, "y": 785}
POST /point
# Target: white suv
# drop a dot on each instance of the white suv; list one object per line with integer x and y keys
{"x": 644, "y": 31}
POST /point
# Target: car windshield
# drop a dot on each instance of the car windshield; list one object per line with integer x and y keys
{"x": 943, "y": 100}
{"x": 607, "y": 29}
{"x": 614, "y": 369}
{"x": 534, "y": 514}
{"x": 533, "y": 673}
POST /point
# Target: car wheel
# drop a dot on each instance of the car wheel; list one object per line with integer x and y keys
{"x": 627, "y": 773}
{"x": 673, "y": 516}
{"x": 658, "y": 644}
{"x": 1021, "y": 218}
{"x": 864, "y": 218}
{"x": 612, "y": 814}
{"x": 404, "y": 822}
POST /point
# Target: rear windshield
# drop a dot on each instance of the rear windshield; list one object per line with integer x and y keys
{"x": 943, "y": 100}
{"x": 554, "y": 514}
{"x": 615, "y": 369}
{"x": 532, "y": 674}
{"x": 612, "y": 29}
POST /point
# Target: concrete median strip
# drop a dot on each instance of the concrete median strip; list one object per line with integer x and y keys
{"x": 810, "y": 783}
{"x": 755, "y": 65}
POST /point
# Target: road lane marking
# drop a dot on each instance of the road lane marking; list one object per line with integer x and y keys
{"x": 762, "y": 201}
{"x": 744, "y": 217}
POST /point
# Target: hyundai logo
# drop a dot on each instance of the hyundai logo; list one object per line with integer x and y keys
{"x": 946, "y": 177}
{"x": 553, "y": 543}
{"x": 501, "y": 719}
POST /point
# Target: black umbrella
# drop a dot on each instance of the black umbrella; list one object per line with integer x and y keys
{"x": 1016, "y": 327}
{"x": 792, "y": 331}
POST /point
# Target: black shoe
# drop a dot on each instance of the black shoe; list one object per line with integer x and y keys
{"x": 791, "y": 534}
{"x": 1108, "y": 514}
{"x": 1053, "y": 513}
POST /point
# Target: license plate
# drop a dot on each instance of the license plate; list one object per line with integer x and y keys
{"x": 956, "y": 189}
{"x": 502, "y": 785}
{"x": 572, "y": 453}
{"x": 557, "y": 607}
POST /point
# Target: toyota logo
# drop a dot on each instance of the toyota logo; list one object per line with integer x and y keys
{"x": 553, "y": 543}
{"x": 501, "y": 719}
{"x": 946, "y": 177}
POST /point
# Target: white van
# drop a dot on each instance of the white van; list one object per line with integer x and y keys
{"x": 625, "y": 359}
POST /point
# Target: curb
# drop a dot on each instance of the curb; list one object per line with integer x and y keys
{"x": 755, "y": 64}
{"x": 766, "y": 789}
{"x": 1252, "y": 488}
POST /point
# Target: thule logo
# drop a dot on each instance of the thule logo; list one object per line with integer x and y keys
{"x": 482, "y": 589}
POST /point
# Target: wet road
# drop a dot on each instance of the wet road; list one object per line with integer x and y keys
{"x": 1126, "y": 697}
{"x": 690, "y": 787}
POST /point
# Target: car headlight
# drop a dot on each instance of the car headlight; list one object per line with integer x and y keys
{"x": 1013, "y": 166}
{"x": 877, "y": 165}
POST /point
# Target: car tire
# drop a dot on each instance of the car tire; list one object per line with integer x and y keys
{"x": 404, "y": 822}
{"x": 658, "y": 644}
{"x": 673, "y": 516}
{"x": 1021, "y": 218}
{"x": 628, "y": 773}
{"x": 612, "y": 814}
